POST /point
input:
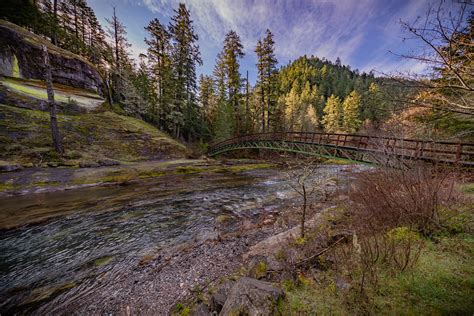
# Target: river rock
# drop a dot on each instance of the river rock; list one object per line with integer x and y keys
{"x": 88, "y": 164}
{"x": 252, "y": 297}
{"x": 8, "y": 167}
{"x": 108, "y": 162}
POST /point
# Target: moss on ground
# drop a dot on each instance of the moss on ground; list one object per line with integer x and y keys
{"x": 25, "y": 138}
{"x": 340, "y": 161}
{"x": 125, "y": 175}
{"x": 102, "y": 261}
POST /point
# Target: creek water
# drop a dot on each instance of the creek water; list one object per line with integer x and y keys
{"x": 88, "y": 232}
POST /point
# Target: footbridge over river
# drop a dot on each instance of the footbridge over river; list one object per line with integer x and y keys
{"x": 362, "y": 148}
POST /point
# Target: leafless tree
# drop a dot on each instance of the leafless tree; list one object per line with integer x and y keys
{"x": 446, "y": 34}
{"x": 303, "y": 180}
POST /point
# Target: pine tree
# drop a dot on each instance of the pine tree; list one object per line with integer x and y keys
{"x": 208, "y": 99}
{"x": 231, "y": 53}
{"x": 333, "y": 114}
{"x": 185, "y": 56}
{"x": 351, "y": 112}
{"x": 293, "y": 109}
{"x": 117, "y": 33}
{"x": 159, "y": 56}
{"x": 266, "y": 67}
{"x": 224, "y": 121}
{"x": 309, "y": 97}
{"x": 312, "y": 120}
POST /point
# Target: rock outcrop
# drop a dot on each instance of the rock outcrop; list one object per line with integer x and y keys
{"x": 21, "y": 57}
{"x": 252, "y": 297}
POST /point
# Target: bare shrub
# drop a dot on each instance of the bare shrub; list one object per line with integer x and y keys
{"x": 390, "y": 210}
{"x": 303, "y": 179}
{"x": 389, "y": 198}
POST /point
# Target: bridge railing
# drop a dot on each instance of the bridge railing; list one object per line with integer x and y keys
{"x": 442, "y": 151}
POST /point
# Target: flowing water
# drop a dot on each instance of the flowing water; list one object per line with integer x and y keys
{"x": 88, "y": 232}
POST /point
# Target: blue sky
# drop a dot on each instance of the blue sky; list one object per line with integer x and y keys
{"x": 360, "y": 32}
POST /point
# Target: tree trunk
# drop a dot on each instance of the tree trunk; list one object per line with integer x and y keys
{"x": 263, "y": 110}
{"x": 116, "y": 39}
{"x": 58, "y": 146}
{"x": 75, "y": 19}
{"x": 247, "y": 111}
{"x": 55, "y": 27}
{"x": 303, "y": 216}
{"x": 268, "y": 103}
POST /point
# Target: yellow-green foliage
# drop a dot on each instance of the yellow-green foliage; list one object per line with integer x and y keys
{"x": 402, "y": 234}
{"x": 351, "y": 109}
{"x": 332, "y": 119}
{"x": 261, "y": 269}
{"x": 182, "y": 310}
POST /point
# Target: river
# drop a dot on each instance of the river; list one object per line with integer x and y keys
{"x": 107, "y": 230}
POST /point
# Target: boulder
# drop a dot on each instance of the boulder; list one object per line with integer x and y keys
{"x": 252, "y": 297}
{"x": 218, "y": 299}
{"x": 268, "y": 247}
{"x": 200, "y": 310}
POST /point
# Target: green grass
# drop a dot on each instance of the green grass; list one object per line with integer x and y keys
{"x": 468, "y": 188}
{"x": 440, "y": 283}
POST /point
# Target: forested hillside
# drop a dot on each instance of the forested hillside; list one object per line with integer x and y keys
{"x": 308, "y": 94}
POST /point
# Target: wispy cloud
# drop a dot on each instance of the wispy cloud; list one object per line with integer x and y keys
{"x": 325, "y": 28}
{"x": 360, "y": 32}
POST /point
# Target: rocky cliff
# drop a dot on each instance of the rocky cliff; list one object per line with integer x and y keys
{"x": 21, "y": 57}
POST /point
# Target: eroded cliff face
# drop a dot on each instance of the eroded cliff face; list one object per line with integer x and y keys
{"x": 21, "y": 57}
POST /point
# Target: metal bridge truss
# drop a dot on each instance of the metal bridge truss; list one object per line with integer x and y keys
{"x": 360, "y": 148}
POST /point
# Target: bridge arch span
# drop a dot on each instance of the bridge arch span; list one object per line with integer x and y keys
{"x": 362, "y": 148}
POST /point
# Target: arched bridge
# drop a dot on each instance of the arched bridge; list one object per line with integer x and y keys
{"x": 363, "y": 148}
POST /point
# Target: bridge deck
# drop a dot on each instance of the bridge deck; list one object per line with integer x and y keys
{"x": 356, "y": 147}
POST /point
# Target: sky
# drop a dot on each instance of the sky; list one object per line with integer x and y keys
{"x": 364, "y": 34}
